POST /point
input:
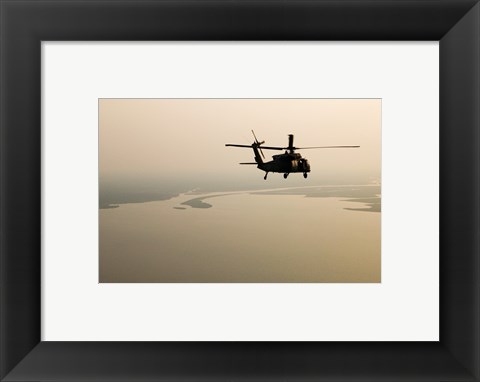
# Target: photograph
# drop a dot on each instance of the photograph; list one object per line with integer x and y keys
{"x": 224, "y": 190}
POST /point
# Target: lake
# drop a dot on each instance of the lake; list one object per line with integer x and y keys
{"x": 242, "y": 237}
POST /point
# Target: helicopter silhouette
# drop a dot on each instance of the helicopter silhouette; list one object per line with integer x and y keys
{"x": 285, "y": 163}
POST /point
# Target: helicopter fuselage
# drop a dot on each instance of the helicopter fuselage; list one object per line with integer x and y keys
{"x": 286, "y": 163}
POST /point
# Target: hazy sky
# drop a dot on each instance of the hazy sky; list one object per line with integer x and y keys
{"x": 151, "y": 138}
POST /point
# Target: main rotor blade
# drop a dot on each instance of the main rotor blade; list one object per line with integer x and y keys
{"x": 294, "y": 148}
{"x": 326, "y": 147}
{"x": 304, "y": 148}
{"x": 273, "y": 148}
{"x": 249, "y": 147}
{"x": 231, "y": 144}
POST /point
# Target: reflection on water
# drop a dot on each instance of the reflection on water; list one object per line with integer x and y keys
{"x": 199, "y": 202}
{"x": 296, "y": 235}
{"x": 372, "y": 204}
{"x": 367, "y": 195}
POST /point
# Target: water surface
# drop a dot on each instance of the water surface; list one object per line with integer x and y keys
{"x": 273, "y": 236}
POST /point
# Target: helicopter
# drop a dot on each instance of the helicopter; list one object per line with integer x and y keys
{"x": 285, "y": 163}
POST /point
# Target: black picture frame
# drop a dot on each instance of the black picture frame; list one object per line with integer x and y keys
{"x": 24, "y": 24}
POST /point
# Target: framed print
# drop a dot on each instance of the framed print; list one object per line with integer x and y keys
{"x": 36, "y": 62}
{"x": 352, "y": 286}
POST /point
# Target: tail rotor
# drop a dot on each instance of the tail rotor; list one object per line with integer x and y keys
{"x": 258, "y": 144}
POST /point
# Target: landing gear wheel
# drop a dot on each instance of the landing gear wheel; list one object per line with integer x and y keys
{"x": 285, "y": 175}
{"x": 265, "y": 177}
{"x": 305, "y": 175}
